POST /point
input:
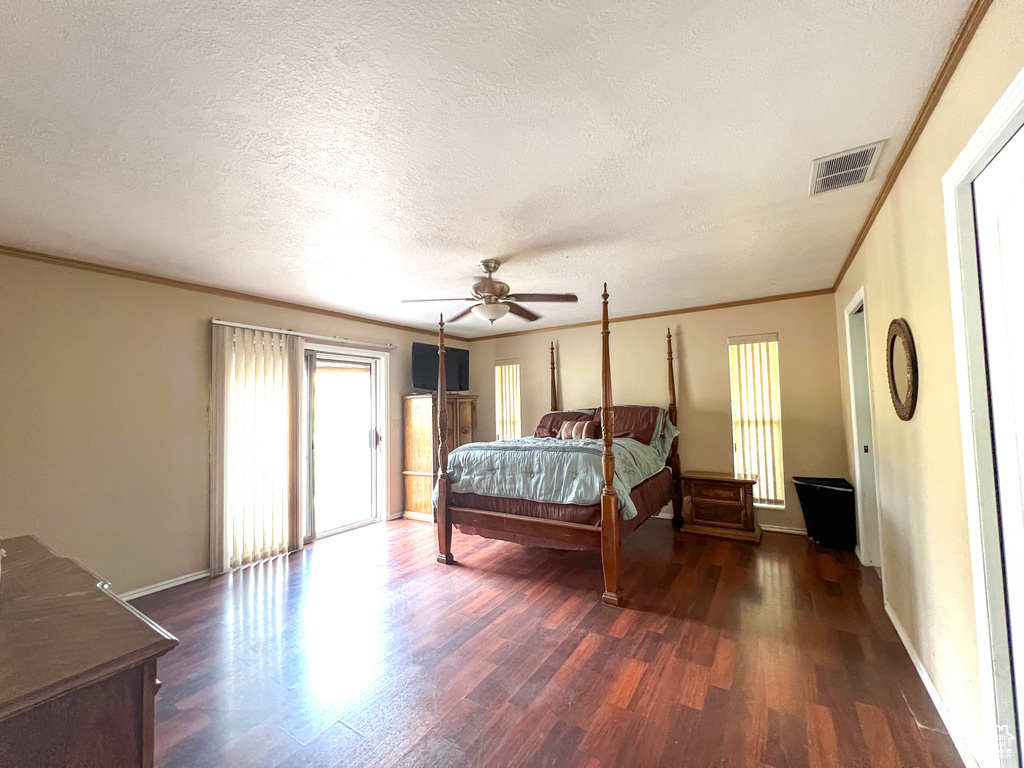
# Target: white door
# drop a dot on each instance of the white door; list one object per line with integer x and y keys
{"x": 999, "y": 211}
{"x": 868, "y": 543}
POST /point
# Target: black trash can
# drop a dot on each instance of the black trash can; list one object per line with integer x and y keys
{"x": 829, "y": 511}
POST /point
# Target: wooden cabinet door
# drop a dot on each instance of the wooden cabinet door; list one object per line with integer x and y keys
{"x": 418, "y": 440}
{"x": 420, "y": 456}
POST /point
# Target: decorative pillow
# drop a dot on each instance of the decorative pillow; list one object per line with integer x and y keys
{"x": 636, "y": 421}
{"x": 592, "y": 430}
{"x": 577, "y": 429}
{"x": 551, "y": 423}
{"x": 565, "y": 431}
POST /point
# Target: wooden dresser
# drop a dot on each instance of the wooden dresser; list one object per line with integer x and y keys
{"x": 420, "y": 418}
{"x": 77, "y": 666}
{"x": 720, "y": 504}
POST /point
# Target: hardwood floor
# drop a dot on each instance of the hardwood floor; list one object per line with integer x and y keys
{"x": 363, "y": 651}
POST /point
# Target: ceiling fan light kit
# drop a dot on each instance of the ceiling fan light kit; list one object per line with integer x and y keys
{"x": 496, "y": 298}
{"x": 490, "y": 312}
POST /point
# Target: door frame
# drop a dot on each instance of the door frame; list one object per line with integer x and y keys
{"x": 382, "y": 459}
{"x": 866, "y": 558}
{"x": 1000, "y": 722}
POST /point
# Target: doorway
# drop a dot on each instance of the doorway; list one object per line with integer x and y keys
{"x": 984, "y": 192}
{"x": 344, "y": 442}
{"x": 868, "y": 534}
{"x": 999, "y": 216}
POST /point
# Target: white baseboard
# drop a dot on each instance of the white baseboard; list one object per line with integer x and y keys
{"x": 954, "y": 733}
{"x": 784, "y": 529}
{"x": 177, "y": 582}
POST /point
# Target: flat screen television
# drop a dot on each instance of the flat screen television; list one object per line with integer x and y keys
{"x": 424, "y": 367}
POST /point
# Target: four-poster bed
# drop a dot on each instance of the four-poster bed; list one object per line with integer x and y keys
{"x": 648, "y": 477}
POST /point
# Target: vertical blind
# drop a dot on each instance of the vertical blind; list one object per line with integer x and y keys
{"x": 256, "y": 509}
{"x": 757, "y": 414}
{"x": 506, "y": 401}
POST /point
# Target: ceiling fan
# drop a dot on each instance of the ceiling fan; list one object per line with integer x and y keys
{"x": 495, "y": 298}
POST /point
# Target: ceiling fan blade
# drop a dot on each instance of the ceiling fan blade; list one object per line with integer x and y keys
{"x": 567, "y": 297}
{"x": 420, "y": 301}
{"x": 461, "y": 314}
{"x": 522, "y": 312}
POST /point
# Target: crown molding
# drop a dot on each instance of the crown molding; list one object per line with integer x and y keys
{"x": 145, "y": 277}
{"x": 665, "y": 313}
{"x": 956, "y": 51}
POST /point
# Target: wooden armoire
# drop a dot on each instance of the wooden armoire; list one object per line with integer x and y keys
{"x": 420, "y": 417}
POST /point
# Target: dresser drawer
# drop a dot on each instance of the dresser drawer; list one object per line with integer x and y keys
{"x": 711, "y": 491}
{"x": 727, "y": 515}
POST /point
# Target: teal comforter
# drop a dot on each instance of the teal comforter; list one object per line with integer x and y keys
{"x": 547, "y": 469}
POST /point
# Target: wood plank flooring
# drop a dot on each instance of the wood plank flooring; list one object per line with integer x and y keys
{"x": 363, "y": 651}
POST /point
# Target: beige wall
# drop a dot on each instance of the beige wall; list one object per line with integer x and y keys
{"x": 812, "y": 431}
{"x": 903, "y": 268}
{"x": 104, "y": 438}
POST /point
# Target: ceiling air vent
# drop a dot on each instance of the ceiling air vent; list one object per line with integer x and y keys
{"x": 844, "y": 169}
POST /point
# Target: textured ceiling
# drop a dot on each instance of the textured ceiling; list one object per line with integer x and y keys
{"x": 347, "y": 154}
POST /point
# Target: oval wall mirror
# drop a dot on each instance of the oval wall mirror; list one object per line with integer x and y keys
{"x": 901, "y": 364}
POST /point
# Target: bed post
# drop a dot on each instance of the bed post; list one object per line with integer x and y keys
{"x": 610, "y": 535}
{"x": 554, "y": 389}
{"x": 673, "y": 457}
{"x": 444, "y": 523}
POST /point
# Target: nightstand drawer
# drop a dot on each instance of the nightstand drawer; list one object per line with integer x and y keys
{"x": 727, "y": 515}
{"x": 709, "y": 491}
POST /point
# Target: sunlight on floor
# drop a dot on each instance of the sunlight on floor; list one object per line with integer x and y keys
{"x": 342, "y": 614}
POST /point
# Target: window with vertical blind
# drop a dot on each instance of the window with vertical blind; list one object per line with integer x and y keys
{"x": 257, "y": 398}
{"x": 507, "y": 412}
{"x": 757, "y": 415}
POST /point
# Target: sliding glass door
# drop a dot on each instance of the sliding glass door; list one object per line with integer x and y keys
{"x": 344, "y": 442}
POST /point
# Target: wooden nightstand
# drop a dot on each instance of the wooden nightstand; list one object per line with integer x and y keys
{"x": 720, "y": 504}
